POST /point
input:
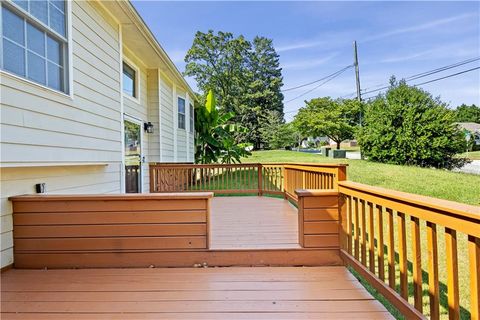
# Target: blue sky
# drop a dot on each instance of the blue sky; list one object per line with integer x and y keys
{"x": 314, "y": 39}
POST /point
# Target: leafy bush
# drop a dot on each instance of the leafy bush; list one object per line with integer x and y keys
{"x": 408, "y": 126}
{"x": 215, "y": 136}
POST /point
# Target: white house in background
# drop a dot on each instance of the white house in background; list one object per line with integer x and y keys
{"x": 88, "y": 99}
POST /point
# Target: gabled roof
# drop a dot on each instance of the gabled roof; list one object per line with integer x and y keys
{"x": 470, "y": 126}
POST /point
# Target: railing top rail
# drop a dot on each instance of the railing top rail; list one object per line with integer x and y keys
{"x": 440, "y": 205}
{"x": 243, "y": 164}
{"x": 123, "y": 196}
{"x": 315, "y": 192}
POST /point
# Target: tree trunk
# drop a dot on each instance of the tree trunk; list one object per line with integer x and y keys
{"x": 338, "y": 144}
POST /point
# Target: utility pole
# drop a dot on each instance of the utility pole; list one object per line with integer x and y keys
{"x": 357, "y": 80}
{"x": 357, "y": 73}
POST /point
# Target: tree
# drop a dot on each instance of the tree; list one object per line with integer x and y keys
{"x": 336, "y": 119}
{"x": 286, "y": 136}
{"x": 263, "y": 101}
{"x": 408, "y": 126}
{"x": 219, "y": 62}
{"x": 214, "y": 136}
{"x": 466, "y": 113}
{"x": 246, "y": 76}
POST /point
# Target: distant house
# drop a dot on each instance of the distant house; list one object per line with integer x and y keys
{"x": 473, "y": 129}
{"x": 88, "y": 99}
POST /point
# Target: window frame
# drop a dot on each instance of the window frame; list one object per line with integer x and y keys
{"x": 64, "y": 41}
{"x": 180, "y": 113}
{"x": 136, "y": 82}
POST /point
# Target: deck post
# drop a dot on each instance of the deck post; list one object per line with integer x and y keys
{"x": 260, "y": 180}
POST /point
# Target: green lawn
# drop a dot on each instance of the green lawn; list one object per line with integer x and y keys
{"x": 443, "y": 184}
{"x": 473, "y": 155}
{"x": 455, "y": 186}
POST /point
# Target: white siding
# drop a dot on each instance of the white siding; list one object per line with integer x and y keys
{"x": 153, "y": 116}
{"x": 39, "y": 125}
{"x": 167, "y": 125}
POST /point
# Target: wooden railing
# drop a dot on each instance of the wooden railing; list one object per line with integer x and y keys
{"x": 375, "y": 221}
{"x": 270, "y": 178}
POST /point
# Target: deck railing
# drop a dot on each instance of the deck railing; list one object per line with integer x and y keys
{"x": 375, "y": 220}
{"x": 269, "y": 178}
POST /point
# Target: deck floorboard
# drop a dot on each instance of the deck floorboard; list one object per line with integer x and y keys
{"x": 187, "y": 293}
{"x": 253, "y": 223}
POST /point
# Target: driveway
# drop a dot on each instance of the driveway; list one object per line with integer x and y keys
{"x": 472, "y": 167}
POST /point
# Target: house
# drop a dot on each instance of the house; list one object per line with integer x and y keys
{"x": 88, "y": 99}
{"x": 472, "y": 130}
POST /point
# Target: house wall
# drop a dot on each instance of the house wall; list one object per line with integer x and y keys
{"x": 70, "y": 142}
{"x": 74, "y": 142}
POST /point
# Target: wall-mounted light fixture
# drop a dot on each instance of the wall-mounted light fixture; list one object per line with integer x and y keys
{"x": 148, "y": 127}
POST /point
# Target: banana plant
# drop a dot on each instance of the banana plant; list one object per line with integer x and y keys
{"x": 215, "y": 135}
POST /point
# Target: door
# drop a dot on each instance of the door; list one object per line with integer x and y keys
{"x": 133, "y": 157}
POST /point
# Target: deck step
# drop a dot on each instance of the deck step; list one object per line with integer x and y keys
{"x": 212, "y": 258}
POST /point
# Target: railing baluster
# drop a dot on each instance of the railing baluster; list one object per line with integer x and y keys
{"x": 417, "y": 264}
{"x": 433, "y": 288}
{"x": 356, "y": 228}
{"x": 474, "y": 257}
{"x": 452, "y": 274}
{"x": 391, "y": 250}
{"x": 349, "y": 224}
{"x": 371, "y": 239}
{"x": 364, "y": 233}
{"x": 402, "y": 255}
{"x": 380, "y": 253}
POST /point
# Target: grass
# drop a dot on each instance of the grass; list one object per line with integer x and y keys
{"x": 442, "y": 184}
{"x": 454, "y": 186}
{"x": 472, "y": 155}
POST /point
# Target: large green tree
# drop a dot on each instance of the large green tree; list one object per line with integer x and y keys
{"x": 408, "y": 126}
{"x": 467, "y": 113}
{"x": 220, "y": 62}
{"x": 336, "y": 119}
{"x": 245, "y": 75}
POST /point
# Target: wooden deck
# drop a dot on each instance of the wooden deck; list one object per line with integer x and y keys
{"x": 253, "y": 223}
{"x": 187, "y": 293}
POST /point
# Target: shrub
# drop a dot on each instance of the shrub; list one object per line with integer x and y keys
{"x": 408, "y": 126}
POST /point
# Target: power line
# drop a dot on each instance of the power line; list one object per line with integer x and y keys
{"x": 438, "y": 79}
{"x": 418, "y": 75}
{"x": 449, "y": 76}
{"x": 310, "y": 83}
{"x": 328, "y": 78}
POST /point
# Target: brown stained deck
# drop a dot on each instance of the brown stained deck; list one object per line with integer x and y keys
{"x": 253, "y": 223}
{"x": 187, "y": 293}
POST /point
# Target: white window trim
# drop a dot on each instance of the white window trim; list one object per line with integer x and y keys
{"x": 137, "y": 80}
{"x": 129, "y": 118}
{"x": 184, "y": 114}
{"x": 69, "y": 54}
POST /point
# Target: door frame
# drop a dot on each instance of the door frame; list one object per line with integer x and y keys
{"x": 132, "y": 119}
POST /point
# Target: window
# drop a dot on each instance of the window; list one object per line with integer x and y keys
{"x": 129, "y": 80}
{"x": 33, "y": 42}
{"x": 181, "y": 113}
{"x": 191, "y": 118}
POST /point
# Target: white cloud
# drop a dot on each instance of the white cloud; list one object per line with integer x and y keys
{"x": 420, "y": 27}
{"x": 299, "y": 45}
